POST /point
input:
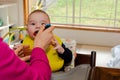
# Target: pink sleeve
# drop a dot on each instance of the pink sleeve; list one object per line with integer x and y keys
{"x": 12, "y": 68}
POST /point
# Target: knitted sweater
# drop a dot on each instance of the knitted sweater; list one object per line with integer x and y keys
{"x": 12, "y": 68}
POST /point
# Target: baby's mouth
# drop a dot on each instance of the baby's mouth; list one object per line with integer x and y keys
{"x": 46, "y": 26}
{"x": 35, "y": 33}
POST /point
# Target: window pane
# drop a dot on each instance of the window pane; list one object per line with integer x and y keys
{"x": 118, "y": 9}
{"x": 69, "y": 20}
{"x": 69, "y": 6}
{"x": 98, "y": 8}
{"x": 118, "y": 24}
{"x": 58, "y": 8}
{"x": 97, "y": 22}
{"x": 58, "y": 20}
{"x": 86, "y": 12}
{"x": 118, "y": 14}
{"x": 61, "y": 20}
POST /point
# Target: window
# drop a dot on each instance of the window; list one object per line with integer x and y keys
{"x": 99, "y": 13}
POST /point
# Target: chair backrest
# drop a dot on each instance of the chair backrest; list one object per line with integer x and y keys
{"x": 86, "y": 59}
{"x": 106, "y": 73}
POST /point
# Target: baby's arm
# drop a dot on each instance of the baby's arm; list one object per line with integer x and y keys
{"x": 63, "y": 52}
{"x": 58, "y": 47}
{"x": 67, "y": 55}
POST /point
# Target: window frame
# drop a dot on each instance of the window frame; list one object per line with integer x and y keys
{"x": 70, "y": 26}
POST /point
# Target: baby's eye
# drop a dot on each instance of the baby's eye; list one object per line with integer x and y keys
{"x": 42, "y": 23}
{"x": 32, "y": 23}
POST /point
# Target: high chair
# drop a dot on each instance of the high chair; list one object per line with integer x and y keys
{"x": 8, "y": 37}
{"x": 83, "y": 70}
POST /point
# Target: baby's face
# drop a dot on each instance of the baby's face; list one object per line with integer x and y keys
{"x": 35, "y": 21}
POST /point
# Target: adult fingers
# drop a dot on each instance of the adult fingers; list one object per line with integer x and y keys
{"x": 50, "y": 29}
{"x": 41, "y": 30}
{"x": 25, "y": 58}
{"x": 26, "y": 47}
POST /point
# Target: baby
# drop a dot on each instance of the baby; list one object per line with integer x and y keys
{"x": 58, "y": 55}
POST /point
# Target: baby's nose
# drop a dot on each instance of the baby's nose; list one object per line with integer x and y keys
{"x": 38, "y": 26}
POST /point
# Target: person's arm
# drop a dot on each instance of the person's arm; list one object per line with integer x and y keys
{"x": 39, "y": 62}
{"x": 66, "y": 55}
{"x": 63, "y": 52}
{"x": 12, "y": 68}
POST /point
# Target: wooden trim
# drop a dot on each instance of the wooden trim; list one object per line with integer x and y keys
{"x": 26, "y": 10}
{"x": 89, "y": 28}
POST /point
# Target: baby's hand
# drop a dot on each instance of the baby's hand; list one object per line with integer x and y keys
{"x": 16, "y": 46}
{"x": 58, "y": 47}
{"x": 23, "y": 52}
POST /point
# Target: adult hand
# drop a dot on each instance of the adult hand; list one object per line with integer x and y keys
{"x": 44, "y": 37}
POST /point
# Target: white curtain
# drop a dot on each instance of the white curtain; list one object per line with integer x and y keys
{"x": 43, "y": 4}
{"x": 115, "y": 61}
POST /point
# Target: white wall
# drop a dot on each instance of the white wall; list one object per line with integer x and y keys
{"x": 14, "y": 10}
{"x": 7, "y": 1}
{"x": 90, "y": 37}
{"x": 20, "y": 12}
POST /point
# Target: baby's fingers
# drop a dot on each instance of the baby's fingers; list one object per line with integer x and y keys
{"x": 19, "y": 50}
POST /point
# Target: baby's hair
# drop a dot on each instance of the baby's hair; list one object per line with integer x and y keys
{"x": 39, "y": 11}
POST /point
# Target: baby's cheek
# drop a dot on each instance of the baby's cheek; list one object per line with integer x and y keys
{"x": 31, "y": 35}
